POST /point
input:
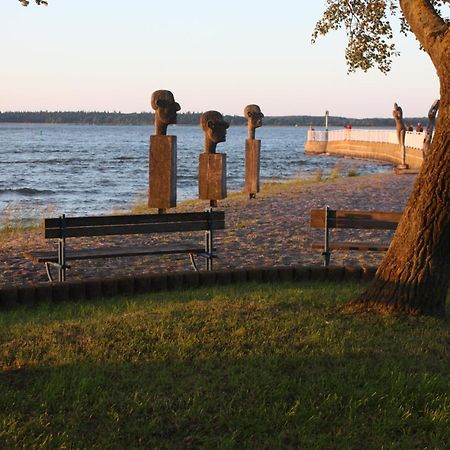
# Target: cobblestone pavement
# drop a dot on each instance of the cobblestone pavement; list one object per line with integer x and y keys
{"x": 272, "y": 229}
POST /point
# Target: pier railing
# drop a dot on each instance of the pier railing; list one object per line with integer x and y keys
{"x": 413, "y": 139}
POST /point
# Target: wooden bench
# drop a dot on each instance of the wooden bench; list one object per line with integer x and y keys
{"x": 327, "y": 219}
{"x": 64, "y": 227}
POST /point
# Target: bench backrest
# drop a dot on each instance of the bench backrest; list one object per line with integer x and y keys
{"x": 373, "y": 220}
{"x": 64, "y": 227}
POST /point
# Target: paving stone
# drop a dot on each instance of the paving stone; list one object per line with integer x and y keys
{"x": 271, "y": 230}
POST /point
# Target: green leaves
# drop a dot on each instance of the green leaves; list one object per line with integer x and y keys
{"x": 370, "y": 36}
{"x": 368, "y": 27}
{"x": 38, "y": 2}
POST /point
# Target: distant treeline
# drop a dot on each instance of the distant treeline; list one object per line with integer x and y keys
{"x": 187, "y": 118}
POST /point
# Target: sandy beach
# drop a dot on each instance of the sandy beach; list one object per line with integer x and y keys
{"x": 272, "y": 229}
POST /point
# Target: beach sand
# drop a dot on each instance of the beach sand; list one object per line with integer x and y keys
{"x": 272, "y": 229}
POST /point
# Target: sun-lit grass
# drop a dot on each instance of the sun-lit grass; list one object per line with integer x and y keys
{"x": 267, "y": 187}
{"x": 243, "y": 366}
{"x": 11, "y": 230}
{"x": 272, "y": 186}
{"x": 16, "y": 218}
{"x": 353, "y": 172}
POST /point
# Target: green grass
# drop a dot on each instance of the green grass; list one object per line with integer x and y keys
{"x": 243, "y": 366}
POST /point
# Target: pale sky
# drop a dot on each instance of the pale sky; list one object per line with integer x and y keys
{"x": 108, "y": 55}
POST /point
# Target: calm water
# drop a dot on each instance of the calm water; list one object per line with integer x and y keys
{"x": 82, "y": 169}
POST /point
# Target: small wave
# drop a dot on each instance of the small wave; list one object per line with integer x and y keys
{"x": 26, "y": 191}
{"x": 126, "y": 158}
{"x": 50, "y": 162}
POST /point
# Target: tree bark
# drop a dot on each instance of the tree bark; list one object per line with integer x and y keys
{"x": 414, "y": 275}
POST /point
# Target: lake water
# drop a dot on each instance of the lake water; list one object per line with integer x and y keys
{"x": 82, "y": 169}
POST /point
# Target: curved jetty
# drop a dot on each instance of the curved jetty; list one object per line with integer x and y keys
{"x": 379, "y": 145}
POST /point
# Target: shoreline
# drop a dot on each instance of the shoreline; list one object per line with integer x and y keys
{"x": 272, "y": 229}
{"x": 12, "y": 220}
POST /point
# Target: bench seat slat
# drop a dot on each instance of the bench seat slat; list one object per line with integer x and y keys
{"x": 112, "y": 252}
{"x": 135, "y": 219}
{"x": 145, "y": 228}
{"x": 380, "y": 220}
{"x": 362, "y": 246}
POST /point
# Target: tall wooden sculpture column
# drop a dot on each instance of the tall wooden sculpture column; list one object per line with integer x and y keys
{"x": 397, "y": 113}
{"x": 252, "y": 150}
{"x": 212, "y": 167}
{"x": 430, "y": 127}
{"x": 163, "y": 153}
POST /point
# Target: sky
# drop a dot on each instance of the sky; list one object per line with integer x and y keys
{"x": 110, "y": 55}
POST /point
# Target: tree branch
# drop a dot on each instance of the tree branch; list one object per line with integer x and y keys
{"x": 428, "y": 26}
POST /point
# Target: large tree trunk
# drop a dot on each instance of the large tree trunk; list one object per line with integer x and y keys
{"x": 415, "y": 273}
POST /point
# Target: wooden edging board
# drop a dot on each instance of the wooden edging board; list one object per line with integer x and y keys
{"x": 93, "y": 288}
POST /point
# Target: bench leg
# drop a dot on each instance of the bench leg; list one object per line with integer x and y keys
{"x": 194, "y": 265}
{"x": 326, "y": 258}
{"x": 326, "y": 253}
{"x": 62, "y": 260}
{"x": 209, "y": 248}
{"x": 48, "y": 264}
{"x": 49, "y": 273}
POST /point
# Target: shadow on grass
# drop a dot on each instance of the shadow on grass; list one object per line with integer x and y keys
{"x": 302, "y": 400}
{"x": 263, "y": 366}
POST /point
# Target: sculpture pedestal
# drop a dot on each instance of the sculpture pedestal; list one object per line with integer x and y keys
{"x": 162, "y": 192}
{"x": 252, "y": 164}
{"x": 212, "y": 176}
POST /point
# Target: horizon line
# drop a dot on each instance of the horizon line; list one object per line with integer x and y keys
{"x": 195, "y": 112}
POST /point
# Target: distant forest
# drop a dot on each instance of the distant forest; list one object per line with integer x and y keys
{"x": 187, "y": 118}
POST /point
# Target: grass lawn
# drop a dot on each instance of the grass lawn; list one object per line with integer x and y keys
{"x": 244, "y": 366}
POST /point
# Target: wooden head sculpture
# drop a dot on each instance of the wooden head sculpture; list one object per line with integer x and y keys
{"x": 254, "y": 118}
{"x": 166, "y": 108}
{"x": 215, "y": 128}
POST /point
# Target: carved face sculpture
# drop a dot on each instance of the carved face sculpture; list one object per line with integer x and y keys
{"x": 214, "y": 126}
{"x": 166, "y": 108}
{"x": 254, "y": 116}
